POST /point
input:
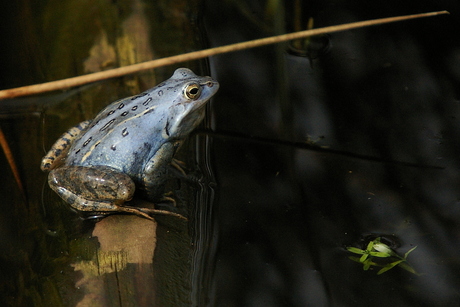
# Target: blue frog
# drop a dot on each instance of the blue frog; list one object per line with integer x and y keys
{"x": 97, "y": 165}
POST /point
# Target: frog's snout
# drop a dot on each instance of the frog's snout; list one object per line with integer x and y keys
{"x": 211, "y": 83}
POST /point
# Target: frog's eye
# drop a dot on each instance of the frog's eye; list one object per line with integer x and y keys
{"x": 192, "y": 91}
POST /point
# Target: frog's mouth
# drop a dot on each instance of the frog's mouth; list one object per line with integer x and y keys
{"x": 180, "y": 127}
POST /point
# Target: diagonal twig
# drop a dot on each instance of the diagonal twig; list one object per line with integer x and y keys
{"x": 125, "y": 70}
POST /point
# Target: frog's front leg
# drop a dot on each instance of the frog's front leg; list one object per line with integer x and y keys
{"x": 59, "y": 150}
{"x": 156, "y": 170}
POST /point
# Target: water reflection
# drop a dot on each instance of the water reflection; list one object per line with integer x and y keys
{"x": 284, "y": 214}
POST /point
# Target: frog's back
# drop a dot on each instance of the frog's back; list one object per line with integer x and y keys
{"x": 127, "y": 133}
{"x": 124, "y": 134}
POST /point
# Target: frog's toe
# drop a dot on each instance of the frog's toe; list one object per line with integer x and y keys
{"x": 169, "y": 199}
{"x": 135, "y": 211}
{"x": 179, "y": 166}
{"x": 145, "y": 212}
{"x": 162, "y": 212}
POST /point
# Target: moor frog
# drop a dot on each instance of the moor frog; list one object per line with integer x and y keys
{"x": 96, "y": 165}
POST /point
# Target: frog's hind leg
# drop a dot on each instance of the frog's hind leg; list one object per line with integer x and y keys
{"x": 59, "y": 150}
{"x": 105, "y": 208}
{"x": 81, "y": 204}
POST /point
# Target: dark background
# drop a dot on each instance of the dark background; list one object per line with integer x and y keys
{"x": 311, "y": 150}
{"x": 285, "y": 214}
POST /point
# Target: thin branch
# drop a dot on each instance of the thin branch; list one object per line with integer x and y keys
{"x": 126, "y": 70}
{"x": 10, "y": 158}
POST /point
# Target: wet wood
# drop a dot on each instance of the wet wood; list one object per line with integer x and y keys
{"x": 53, "y": 257}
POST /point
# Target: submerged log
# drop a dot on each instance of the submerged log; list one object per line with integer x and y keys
{"x": 52, "y": 257}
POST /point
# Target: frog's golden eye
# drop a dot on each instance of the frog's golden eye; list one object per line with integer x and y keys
{"x": 192, "y": 91}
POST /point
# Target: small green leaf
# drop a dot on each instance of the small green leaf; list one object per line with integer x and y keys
{"x": 355, "y": 250}
{"x": 389, "y": 266}
{"x": 379, "y": 254}
{"x": 371, "y": 245}
{"x": 356, "y": 259}
{"x": 367, "y": 264}
{"x": 363, "y": 257}
{"x": 407, "y": 267}
{"x": 409, "y": 251}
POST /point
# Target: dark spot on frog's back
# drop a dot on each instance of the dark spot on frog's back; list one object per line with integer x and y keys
{"x": 113, "y": 147}
{"x": 147, "y": 146}
{"x": 121, "y": 105}
{"x": 147, "y": 101}
{"x": 107, "y": 125}
{"x": 87, "y": 141}
{"x": 124, "y": 132}
{"x": 70, "y": 199}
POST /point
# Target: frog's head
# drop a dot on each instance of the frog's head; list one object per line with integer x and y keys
{"x": 187, "y": 110}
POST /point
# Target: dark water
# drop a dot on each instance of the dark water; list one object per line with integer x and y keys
{"x": 385, "y": 102}
{"x": 301, "y": 157}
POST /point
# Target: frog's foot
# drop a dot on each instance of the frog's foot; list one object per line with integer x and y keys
{"x": 105, "y": 208}
{"x": 134, "y": 210}
{"x": 81, "y": 204}
{"x": 146, "y": 207}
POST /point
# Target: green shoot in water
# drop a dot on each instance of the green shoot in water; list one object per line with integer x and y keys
{"x": 375, "y": 250}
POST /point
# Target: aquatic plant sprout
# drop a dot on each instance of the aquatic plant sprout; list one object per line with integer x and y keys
{"x": 375, "y": 250}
